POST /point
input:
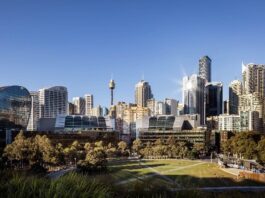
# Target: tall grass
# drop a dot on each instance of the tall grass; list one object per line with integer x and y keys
{"x": 75, "y": 185}
{"x": 71, "y": 185}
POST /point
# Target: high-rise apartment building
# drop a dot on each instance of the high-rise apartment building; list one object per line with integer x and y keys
{"x": 235, "y": 90}
{"x": 34, "y": 114}
{"x": 142, "y": 93}
{"x": 53, "y": 101}
{"x": 253, "y": 79}
{"x": 251, "y": 109}
{"x": 171, "y": 106}
{"x": 80, "y": 105}
{"x": 229, "y": 123}
{"x": 97, "y": 111}
{"x": 151, "y": 105}
{"x": 205, "y": 68}
{"x": 214, "y": 98}
{"x": 131, "y": 114}
{"x": 160, "y": 108}
{"x": 120, "y": 107}
{"x": 193, "y": 96}
{"x": 89, "y": 104}
{"x": 71, "y": 108}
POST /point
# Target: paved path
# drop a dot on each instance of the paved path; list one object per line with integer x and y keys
{"x": 60, "y": 173}
{"x": 232, "y": 171}
{"x": 224, "y": 188}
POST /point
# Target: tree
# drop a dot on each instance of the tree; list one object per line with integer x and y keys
{"x": 137, "y": 145}
{"x": 159, "y": 149}
{"x": 147, "y": 150}
{"x": 59, "y": 152}
{"x": 96, "y": 158}
{"x": 73, "y": 152}
{"x": 122, "y": 146}
{"x": 110, "y": 150}
{"x": 261, "y": 150}
{"x": 183, "y": 149}
{"x": 19, "y": 150}
{"x": 43, "y": 152}
{"x": 244, "y": 144}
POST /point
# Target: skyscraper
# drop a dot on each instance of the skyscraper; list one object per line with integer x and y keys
{"x": 53, "y": 101}
{"x": 193, "y": 96}
{"x": 171, "y": 106}
{"x": 151, "y": 104}
{"x": 71, "y": 108}
{"x": 142, "y": 93}
{"x": 89, "y": 104}
{"x": 214, "y": 98}
{"x": 97, "y": 111}
{"x": 205, "y": 68}
{"x": 235, "y": 90}
{"x": 34, "y": 114}
{"x": 253, "y": 79}
{"x": 80, "y": 105}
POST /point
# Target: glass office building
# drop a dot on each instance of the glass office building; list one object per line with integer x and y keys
{"x": 73, "y": 123}
{"x": 15, "y": 107}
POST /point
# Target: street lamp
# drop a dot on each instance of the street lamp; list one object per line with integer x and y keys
{"x": 75, "y": 161}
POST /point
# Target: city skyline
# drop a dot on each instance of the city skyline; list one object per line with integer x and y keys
{"x": 128, "y": 40}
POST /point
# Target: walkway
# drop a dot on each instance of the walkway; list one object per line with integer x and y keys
{"x": 60, "y": 173}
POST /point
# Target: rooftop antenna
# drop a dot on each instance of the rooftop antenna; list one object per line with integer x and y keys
{"x": 142, "y": 76}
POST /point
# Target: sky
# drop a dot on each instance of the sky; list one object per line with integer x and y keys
{"x": 82, "y": 44}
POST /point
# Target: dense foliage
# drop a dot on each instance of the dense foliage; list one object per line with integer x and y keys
{"x": 38, "y": 153}
{"x": 169, "y": 149}
{"x": 245, "y": 145}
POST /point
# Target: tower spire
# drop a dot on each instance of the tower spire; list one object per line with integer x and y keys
{"x": 111, "y": 87}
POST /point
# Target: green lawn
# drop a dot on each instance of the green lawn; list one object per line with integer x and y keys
{"x": 173, "y": 173}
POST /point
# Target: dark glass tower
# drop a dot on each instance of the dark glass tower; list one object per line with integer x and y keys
{"x": 214, "y": 99}
{"x": 205, "y": 64}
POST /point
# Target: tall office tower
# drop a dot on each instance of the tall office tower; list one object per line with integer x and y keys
{"x": 193, "y": 96}
{"x": 171, "y": 106}
{"x": 89, "y": 104}
{"x": 53, "y": 101}
{"x": 71, "y": 108}
{"x": 142, "y": 93}
{"x": 226, "y": 107}
{"x": 235, "y": 90}
{"x": 111, "y": 87}
{"x": 34, "y": 114}
{"x": 151, "y": 105}
{"x": 214, "y": 98}
{"x": 205, "y": 68}
{"x": 80, "y": 105}
{"x": 253, "y": 79}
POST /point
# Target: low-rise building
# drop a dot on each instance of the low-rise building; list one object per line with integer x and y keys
{"x": 182, "y": 128}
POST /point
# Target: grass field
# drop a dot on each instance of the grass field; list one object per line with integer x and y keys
{"x": 173, "y": 174}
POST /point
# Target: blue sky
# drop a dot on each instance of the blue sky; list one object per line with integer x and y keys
{"x": 80, "y": 44}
